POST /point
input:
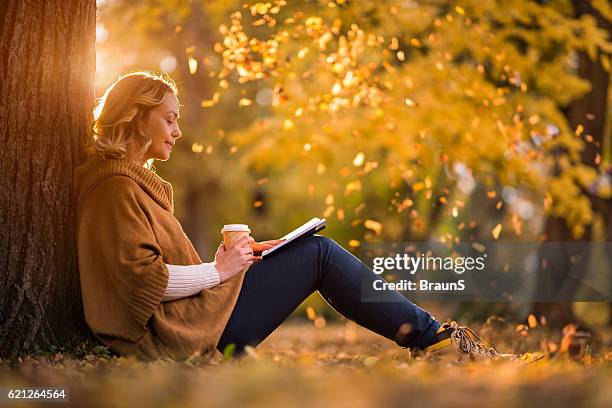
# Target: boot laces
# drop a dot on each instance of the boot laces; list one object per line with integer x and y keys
{"x": 469, "y": 342}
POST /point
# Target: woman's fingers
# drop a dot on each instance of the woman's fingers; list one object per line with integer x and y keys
{"x": 262, "y": 246}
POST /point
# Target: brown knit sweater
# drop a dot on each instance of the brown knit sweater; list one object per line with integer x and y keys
{"x": 126, "y": 233}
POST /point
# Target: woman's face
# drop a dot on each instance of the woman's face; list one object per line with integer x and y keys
{"x": 161, "y": 126}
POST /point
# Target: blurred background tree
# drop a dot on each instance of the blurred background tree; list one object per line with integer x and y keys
{"x": 434, "y": 120}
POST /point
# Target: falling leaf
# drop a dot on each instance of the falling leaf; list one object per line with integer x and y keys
{"x": 579, "y": 130}
{"x": 245, "y": 102}
{"x": 212, "y": 102}
{"x": 358, "y": 160}
{"x": 533, "y": 322}
{"x": 288, "y": 124}
{"x": 409, "y": 102}
{"x": 310, "y": 312}
{"x": 193, "y": 65}
{"x": 374, "y": 226}
{"x": 197, "y": 148}
{"x": 496, "y": 231}
{"x": 353, "y": 243}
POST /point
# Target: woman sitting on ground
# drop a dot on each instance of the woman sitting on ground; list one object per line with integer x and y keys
{"x": 147, "y": 293}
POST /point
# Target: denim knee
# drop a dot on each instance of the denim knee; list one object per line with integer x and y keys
{"x": 324, "y": 241}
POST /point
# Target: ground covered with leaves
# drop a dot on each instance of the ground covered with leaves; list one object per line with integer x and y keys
{"x": 337, "y": 365}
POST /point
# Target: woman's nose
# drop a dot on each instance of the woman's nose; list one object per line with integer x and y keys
{"x": 178, "y": 133}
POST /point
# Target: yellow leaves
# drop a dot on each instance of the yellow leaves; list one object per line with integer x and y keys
{"x": 318, "y": 321}
{"x": 245, "y": 102}
{"x": 405, "y": 204}
{"x": 531, "y": 357}
{"x": 522, "y": 330}
{"x": 265, "y": 8}
{"x": 353, "y": 243}
{"x": 359, "y": 159}
{"x": 329, "y": 199}
{"x": 579, "y": 130}
{"x": 394, "y": 46}
{"x": 288, "y": 124}
{"x": 459, "y": 10}
{"x": 211, "y": 102}
{"x": 415, "y": 42}
{"x": 310, "y": 313}
{"x": 401, "y": 56}
{"x": 532, "y": 321}
{"x": 418, "y": 186}
{"x": 323, "y": 40}
{"x": 340, "y": 214}
{"x": 374, "y": 226}
{"x": 351, "y": 187}
{"x": 314, "y": 23}
{"x": 534, "y": 119}
{"x": 409, "y": 102}
{"x": 193, "y": 65}
{"x": 336, "y": 89}
{"x": 496, "y": 231}
{"x": 303, "y": 52}
{"x": 197, "y": 148}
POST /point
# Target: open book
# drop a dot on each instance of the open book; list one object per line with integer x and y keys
{"x": 311, "y": 227}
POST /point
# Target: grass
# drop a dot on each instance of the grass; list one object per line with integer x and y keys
{"x": 335, "y": 365}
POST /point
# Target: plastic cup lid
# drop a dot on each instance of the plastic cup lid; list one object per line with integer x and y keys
{"x": 235, "y": 227}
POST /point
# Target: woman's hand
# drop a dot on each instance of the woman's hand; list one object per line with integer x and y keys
{"x": 259, "y": 247}
{"x": 231, "y": 263}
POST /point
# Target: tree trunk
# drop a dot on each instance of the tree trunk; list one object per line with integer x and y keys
{"x": 589, "y": 111}
{"x": 47, "y": 64}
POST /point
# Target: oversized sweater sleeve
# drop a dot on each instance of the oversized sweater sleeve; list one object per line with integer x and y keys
{"x": 120, "y": 260}
{"x": 188, "y": 280}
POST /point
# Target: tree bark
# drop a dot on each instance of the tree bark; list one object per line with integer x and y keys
{"x": 590, "y": 112}
{"x": 47, "y": 66}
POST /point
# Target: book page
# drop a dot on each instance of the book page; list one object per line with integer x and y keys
{"x": 296, "y": 232}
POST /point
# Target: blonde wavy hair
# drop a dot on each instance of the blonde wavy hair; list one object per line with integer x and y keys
{"x": 120, "y": 112}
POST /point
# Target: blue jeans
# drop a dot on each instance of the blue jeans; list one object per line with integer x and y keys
{"x": 277, "y": 285}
